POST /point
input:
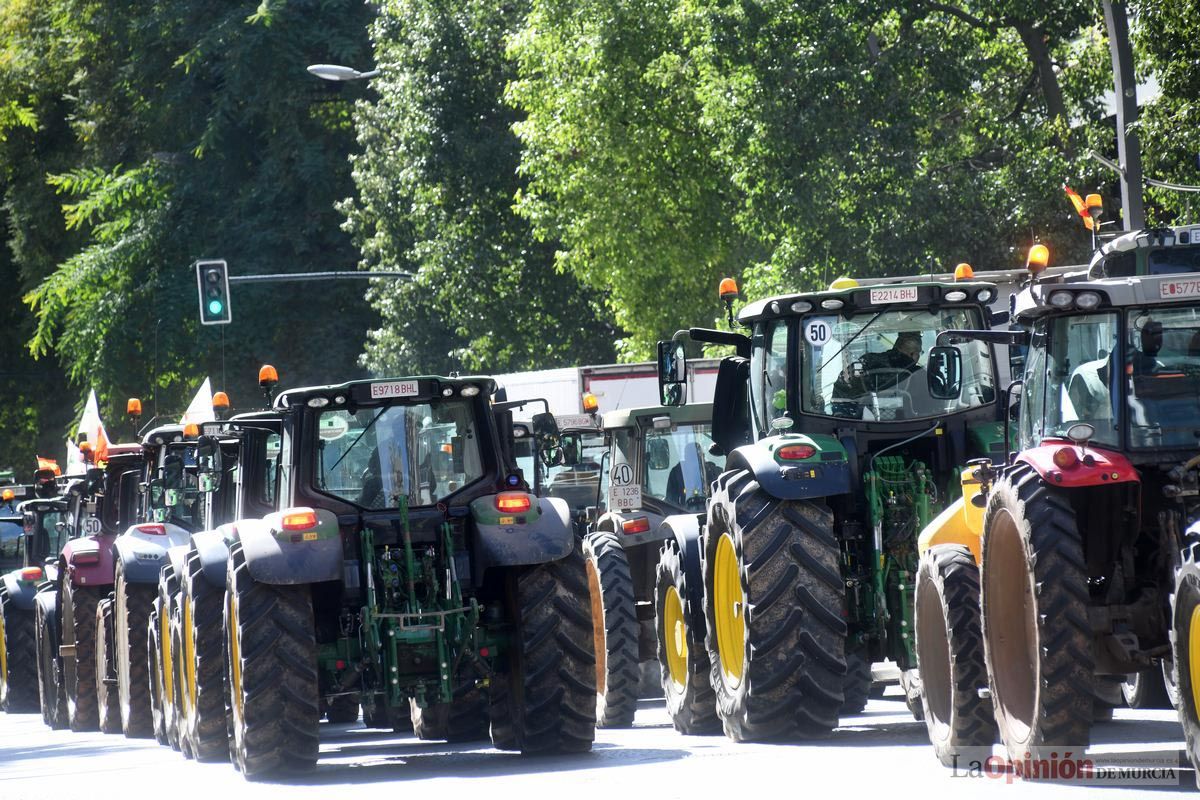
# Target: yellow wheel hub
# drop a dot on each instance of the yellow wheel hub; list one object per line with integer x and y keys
{"x": 235, "y": 663}
{"x": 675, "y": 632}
{"x": 1193, "y": 639}
{"x": 729, "y": 608}
{"x": 189, "y": 657}
{"x": 168, "y": 670}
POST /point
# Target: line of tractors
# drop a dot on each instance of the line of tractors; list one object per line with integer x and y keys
{"x": 863, "y": 488}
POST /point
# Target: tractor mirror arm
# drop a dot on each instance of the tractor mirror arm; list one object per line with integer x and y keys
{"x": 711, "y": 336}
{"x": 1010, "y": 338}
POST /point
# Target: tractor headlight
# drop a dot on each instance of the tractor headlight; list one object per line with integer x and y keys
{"x": 1061, "y": 300}
{"x": 1087, "y": 300}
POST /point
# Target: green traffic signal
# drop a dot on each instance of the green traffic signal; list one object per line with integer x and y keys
{"x": 215, "y": 307}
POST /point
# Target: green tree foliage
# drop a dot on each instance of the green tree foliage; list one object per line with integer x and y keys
{"x": 166, "y": 132}
{"x": 436, "y": 179}
{"x": 837, "y": 138}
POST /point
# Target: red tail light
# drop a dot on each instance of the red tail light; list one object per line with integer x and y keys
{"x": 86, "y": 557}
{"x": 513, "y": 502}
{"x": 31, "y": 574}
{"x": 1065, "y": 458}
{"x": 796, "y": 452}
{"x": 299, "y": 519}
{"x": 152, "y": 528}
{"x": 636, "y": 525}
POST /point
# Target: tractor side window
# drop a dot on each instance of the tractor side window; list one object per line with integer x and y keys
{"x": 1033, "y": 399}
{"x": 1082, "y": 371}
{"x": 270, "y": 484}
{"x": 1162, "y": 375}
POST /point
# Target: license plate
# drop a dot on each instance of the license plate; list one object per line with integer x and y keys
{"x": 1169, "y": 290}
{"x": 389, "y": 389}
{"x": 566, "y": 421}
{"x": 893, "y": 294}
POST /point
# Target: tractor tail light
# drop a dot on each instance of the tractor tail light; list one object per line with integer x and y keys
{"x": 513, "y": 502}
{"x": 796, "y": 452}
{"x": 299, "y": 519}
{"x": 636, "y": 525}
{"x": 1065, "y": 458}
{"x": 152, "y": 528}
{"x": 31, "y": 574}
{"x": 86, "y": 557}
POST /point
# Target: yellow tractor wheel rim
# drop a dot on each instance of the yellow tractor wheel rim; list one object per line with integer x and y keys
{"x": 189, "y": 657}
{"x": 1194, "y": 657}
{"x": 730, "y": 610}
{"x": 165, "y": 665}
{"x": 235, "y": 662}
{"x": 675, "y": 632}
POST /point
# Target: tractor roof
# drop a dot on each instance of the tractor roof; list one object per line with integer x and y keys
{"x": 163, "y": 434}
{"x": 909, "y": 294}
{"x": 427, "y": 387}
{"x": 628, "y": 417}
{"x": 1037, "y": 299}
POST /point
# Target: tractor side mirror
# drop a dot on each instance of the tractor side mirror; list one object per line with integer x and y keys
{"x": 672, "y": 373}
{"x": 944, "y": 373}
{"x": 208, "y": 463}
{"x": 546, "y": 436}
{"x": 658, "y": 454}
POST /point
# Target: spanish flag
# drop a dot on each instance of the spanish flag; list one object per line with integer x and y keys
{"x": 1080, "y": 206}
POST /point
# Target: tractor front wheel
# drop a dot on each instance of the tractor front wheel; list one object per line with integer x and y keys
{"x": 950, "y": 653}
{"x": 1037, "y": 640}
{"x": 543, "y": 696}
{"x": 1185, "y": 648}
{"x": 202, "y": 690}
{"x": 51, "y": 690}
{"x": 18, "y": 658}
{"x": 107, "y": 709}
{"x": 130, "y": 612}
{"x": 615, "y": 629}
{"x": 78, "y": 632}
{"x": 774, "y": 598}
{"x": 682, "y": 659}
{"x": 272, "y": 672}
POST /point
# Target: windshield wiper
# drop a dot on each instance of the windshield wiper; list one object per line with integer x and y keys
{"x": 849, "y": 341}
{"x": 370, "y": 425}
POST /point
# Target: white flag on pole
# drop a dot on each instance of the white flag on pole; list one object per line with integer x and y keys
{"x": 201, "y": 408}
{"x": 91, "y": 427}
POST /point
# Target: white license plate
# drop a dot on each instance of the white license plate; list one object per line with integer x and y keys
{"x": 389, "y": 389}
{"x": 893, "y": 294}
{"x": 566, "y": 421}
{"x": 1169, "y": 290}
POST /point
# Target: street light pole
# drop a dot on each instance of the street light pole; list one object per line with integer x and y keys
{"x": 1129, "y": 151}
{"x": 338, "y": 73}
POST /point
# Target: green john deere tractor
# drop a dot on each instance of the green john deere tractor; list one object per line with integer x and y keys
{"x": 801, "y": 573}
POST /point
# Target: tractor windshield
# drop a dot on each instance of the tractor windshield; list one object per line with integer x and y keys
{"x": 423, "y": 453}
{"x": 1070, "y": 379}
{"x": 678, "y": 467}
{"x": 12, "y": 548}
{"x": 1162, "y": 368}
{"x": 872, "y": 366}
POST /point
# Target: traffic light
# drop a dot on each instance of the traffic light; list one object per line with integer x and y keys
{"x": 212, "y": 281}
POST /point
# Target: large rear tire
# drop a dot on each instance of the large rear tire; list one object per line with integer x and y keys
{"x": 683, "y": 661}
{"x": 18, "y": 658}
{"x": 130, "y": 612}
{"x": 961, "y": 725}
{"x": 202, "y": 692}
{"x": 107, "y": 709}
{"x": 774, "y": 598}
{"x": 1185, "y": 648}
{"x": 615, "y": 630}
{"x": 856, "y": 685}
{"x": 543, "y": 697}
{"x": 272, "y": 672}
{"x": 52, "y": 693}
{"x": 1037, "y": 641}
{"x": 79, "y": 672}
{"x": 166, "y": 725}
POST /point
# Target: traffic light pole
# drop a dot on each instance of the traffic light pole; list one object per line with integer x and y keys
{"x": 1129, "y": 153}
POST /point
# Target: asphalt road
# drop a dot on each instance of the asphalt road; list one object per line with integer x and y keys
{"x": 879, "y": 753}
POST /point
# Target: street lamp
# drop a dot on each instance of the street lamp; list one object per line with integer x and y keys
{"x": 336, "y": 72}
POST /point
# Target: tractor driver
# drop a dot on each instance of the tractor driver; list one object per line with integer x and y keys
{"x": 889, "y": 366}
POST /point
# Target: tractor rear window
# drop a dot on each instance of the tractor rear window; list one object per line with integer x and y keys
{"x": 422, "y": 453}
{"x": 678, "y": 468}
{"x": 1162, "y": 367}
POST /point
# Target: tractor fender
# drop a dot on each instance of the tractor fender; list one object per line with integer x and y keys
{"x": 177, "y": 558}
{"x": 521, "y": 540}
{"x": 1106, "y": 467}
{"x": 684, "y": 529}
{"x": 213, "y": 549}
{"x": 798, "y": 480}
{"x": 293, "y": 555}
{"x": 615, "y": 521}
{"x": 89, "y": 561}
{"x": 20, "y": 593}
{"x": 47, "y": 598}
{"x": 142, "y": 554}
